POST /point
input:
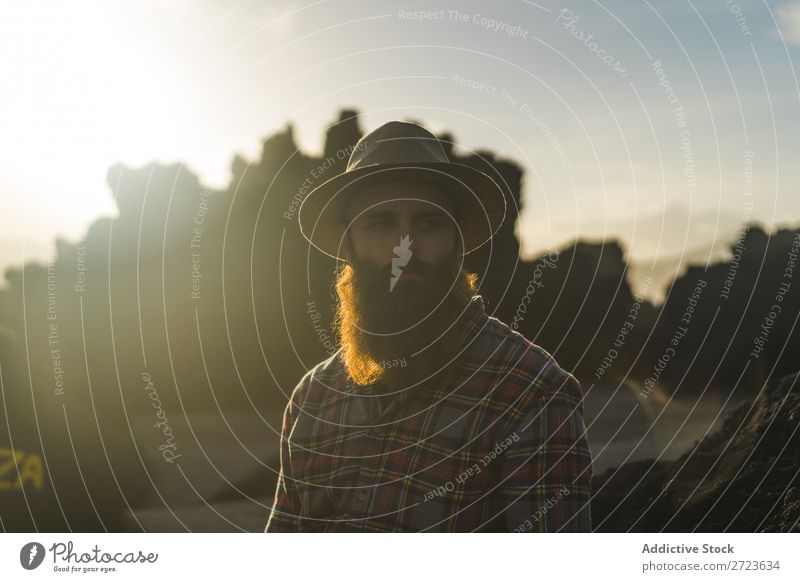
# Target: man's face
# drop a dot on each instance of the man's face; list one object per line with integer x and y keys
{"x": 380, "y": 215}
{"x": 399, "y": 300}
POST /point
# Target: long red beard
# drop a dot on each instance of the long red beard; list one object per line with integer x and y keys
{"x": 403, "y": 336}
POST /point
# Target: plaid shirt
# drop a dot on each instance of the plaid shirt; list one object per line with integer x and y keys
{"x": 501, "y": 447}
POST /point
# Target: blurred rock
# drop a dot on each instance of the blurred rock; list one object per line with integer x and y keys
{"x": 742, "y": 478}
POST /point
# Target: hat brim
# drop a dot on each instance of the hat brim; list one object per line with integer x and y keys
{"x": 481, "y": 202}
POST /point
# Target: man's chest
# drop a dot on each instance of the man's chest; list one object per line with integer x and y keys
{"x": 359, "y": 465}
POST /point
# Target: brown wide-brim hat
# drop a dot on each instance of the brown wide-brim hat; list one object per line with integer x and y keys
{"x": 402, "y": 150}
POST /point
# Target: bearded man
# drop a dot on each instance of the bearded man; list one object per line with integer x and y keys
{"x": 431, "y": 415}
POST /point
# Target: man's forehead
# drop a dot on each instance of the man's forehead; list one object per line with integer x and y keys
{"x": 397, "y": 194}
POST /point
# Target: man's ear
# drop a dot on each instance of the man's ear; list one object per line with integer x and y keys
{"x": 459, "y": 241}
{"x": 347, "y": 247}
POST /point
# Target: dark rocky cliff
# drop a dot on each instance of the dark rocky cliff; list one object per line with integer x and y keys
{"x": 742, "y": 478}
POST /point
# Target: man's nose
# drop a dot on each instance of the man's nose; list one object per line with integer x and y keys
{"x": 406, "y": 228}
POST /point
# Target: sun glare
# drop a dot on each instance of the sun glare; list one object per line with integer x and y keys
{"x": 83, "y": 88}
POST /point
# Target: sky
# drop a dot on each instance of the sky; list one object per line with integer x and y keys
{"x": 651, "y": 122}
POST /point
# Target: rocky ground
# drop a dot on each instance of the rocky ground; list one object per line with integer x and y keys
{"x": 743, "y": 478}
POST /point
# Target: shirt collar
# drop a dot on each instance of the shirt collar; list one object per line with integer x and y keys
{"x": 475, "y": 316}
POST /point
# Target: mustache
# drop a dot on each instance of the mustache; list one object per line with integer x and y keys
{"x": 416, "y": 266}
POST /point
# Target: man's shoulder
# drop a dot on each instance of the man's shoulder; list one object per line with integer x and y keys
{"x": 320, "y": 383}
{"x": 523, "y": 364}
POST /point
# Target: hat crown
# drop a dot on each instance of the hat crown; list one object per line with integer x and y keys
{"x": 397, "y": 142}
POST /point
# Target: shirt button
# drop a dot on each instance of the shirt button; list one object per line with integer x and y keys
{"x": 362, "y": 495}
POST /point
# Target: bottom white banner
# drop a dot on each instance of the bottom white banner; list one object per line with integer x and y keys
{"x": 352, "y": 557}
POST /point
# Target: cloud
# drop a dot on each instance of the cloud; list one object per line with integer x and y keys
{"x": 789, "y": 22}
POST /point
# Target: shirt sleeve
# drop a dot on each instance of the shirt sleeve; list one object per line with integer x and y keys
{"x": 545, "y": 471}
{"x": 285, "y": 513}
